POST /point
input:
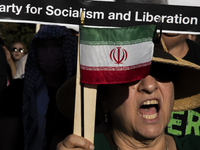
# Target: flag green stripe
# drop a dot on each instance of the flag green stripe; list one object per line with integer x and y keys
{"x": 116, "y": 36}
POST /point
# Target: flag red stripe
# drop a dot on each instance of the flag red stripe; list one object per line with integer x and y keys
{"x": 114, "y": 77}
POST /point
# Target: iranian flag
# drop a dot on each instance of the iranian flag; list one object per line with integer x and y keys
{"x": 115, "y": 55}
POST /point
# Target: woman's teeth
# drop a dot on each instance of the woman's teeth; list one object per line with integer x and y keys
{"x": 149, "y": 102}
{"x": 150, "y": 116}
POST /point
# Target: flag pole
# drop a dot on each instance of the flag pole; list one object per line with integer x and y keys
{"x": 37, "y": 28}
{"x": 90, "y": 92}
{"x": 77, "y": 110}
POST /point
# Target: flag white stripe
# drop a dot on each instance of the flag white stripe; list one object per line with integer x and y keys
{"x": 99, "y": 56}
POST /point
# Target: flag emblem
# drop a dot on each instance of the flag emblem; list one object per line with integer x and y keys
{"x": 118, "y": 55}
{"x": 115, "y": 55}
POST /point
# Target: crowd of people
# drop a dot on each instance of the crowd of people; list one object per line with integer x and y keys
{"x": 33, "y": 79}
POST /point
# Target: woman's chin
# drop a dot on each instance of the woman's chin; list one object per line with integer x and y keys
{"x": 150, "y": 133}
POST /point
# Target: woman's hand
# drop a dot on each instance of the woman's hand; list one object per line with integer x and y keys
{"x": 74, "y": 142}
{"x": 10, "y": 61}
{"x": 8, "y": 54}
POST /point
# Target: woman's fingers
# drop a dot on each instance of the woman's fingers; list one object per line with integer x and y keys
{"x": 75, "y": 142}
{"x": 5, "y": 49}
{"x": 7, "y": 52}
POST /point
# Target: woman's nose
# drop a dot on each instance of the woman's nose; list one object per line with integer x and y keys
{"x": 148, "y": 84}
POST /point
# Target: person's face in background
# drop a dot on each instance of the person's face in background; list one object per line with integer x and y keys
{"x": 173, "y": 39}
{"x": 17, "y": 51}
{"x": 50, "y": 56}
{"x": 50, "y": 59}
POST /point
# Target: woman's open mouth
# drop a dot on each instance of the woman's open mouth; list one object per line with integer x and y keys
{"x": 149, "y": 109}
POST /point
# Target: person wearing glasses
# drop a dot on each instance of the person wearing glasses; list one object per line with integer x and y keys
{"x": 17, "y": 50}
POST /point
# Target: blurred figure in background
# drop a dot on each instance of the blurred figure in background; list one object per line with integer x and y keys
{"x": 51, "y": 61}
{"x": 182, "y": 47}
{"x": 17, "y": 50}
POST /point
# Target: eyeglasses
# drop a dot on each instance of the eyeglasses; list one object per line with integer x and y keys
{"x": 14, "y": 49}
{"x": 163, "y": 72}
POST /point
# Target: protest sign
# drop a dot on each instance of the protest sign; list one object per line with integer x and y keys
{"x": 121, "y": 13}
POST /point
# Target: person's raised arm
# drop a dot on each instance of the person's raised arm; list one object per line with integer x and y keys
{"x": 10, "y": 61}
